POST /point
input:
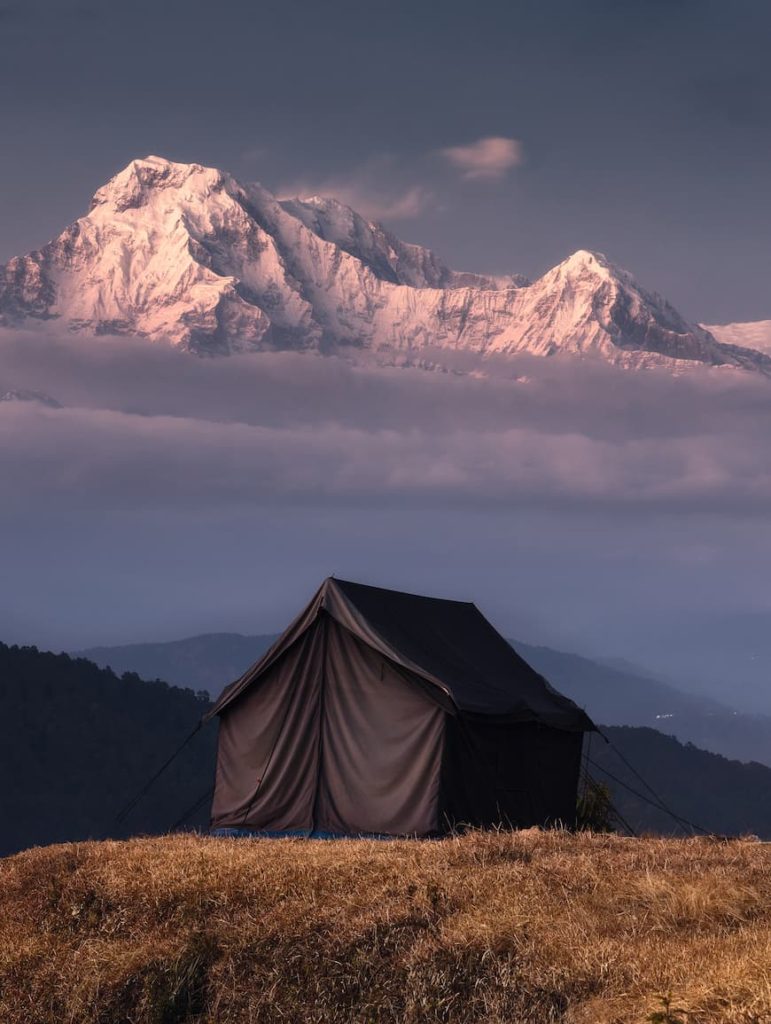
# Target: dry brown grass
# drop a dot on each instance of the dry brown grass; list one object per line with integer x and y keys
{"x": 527, "y": 927}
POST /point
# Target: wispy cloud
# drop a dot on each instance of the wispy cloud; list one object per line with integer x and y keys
{"x": 487, "y": 159}
{"x": 388, "y": 188}
{"x": 372, "y": 204}
{"x": 376, "y": 189}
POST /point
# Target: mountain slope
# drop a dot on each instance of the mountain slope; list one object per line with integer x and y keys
{"x": 388, "y": 257}
{"x": 754, "y": 334}
{"x": 622, "y": 697}
{"x": 206, "y": 662}
{"x": 713, "y": 792}
{"x": 186, "y": 253}
{"x": 609, "y": 694}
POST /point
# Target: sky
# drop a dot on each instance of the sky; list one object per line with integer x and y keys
{"x": 639, "y": 128}
{"x": 621, "y": 515}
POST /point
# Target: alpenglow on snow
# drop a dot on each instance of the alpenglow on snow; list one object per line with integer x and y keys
{"x": 188, "y": 254}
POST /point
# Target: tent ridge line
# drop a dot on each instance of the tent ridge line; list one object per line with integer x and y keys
{"x": 382, "y": 645}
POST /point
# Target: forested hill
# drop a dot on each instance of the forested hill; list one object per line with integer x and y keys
{"x": 723, "y": 796}
{"x": 77, "y": 742}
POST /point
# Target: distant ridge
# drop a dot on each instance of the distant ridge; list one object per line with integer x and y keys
{"x": 613, "y": 695}
{"x": 208, "y": 661}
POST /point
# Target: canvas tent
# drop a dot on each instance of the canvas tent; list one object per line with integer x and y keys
{"x": 385, "y": 713}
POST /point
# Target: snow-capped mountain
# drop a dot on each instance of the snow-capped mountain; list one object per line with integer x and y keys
{"x": 186, "y": 253}
{"x": 755, "y": 334}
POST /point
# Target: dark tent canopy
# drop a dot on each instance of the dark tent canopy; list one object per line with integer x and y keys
{"x": 379, "y": 712}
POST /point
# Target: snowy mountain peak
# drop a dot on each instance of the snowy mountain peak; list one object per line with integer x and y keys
{"x": 186, "y": 253}
{"x": 585, "y": 265}
{"x": 132, "y": 186}
{"x": 585, "y": 259}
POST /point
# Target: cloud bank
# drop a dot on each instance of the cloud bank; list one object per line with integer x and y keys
{"x": 144, "y": 426}
{"x": 582, "y": 506}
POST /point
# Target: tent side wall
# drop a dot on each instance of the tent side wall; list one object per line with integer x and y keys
{"x": 514, "y": 775}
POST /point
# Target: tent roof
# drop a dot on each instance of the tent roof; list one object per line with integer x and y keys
{"x": 449, "y": 645}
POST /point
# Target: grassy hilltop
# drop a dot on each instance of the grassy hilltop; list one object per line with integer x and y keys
{"x": 515, "y": 928}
